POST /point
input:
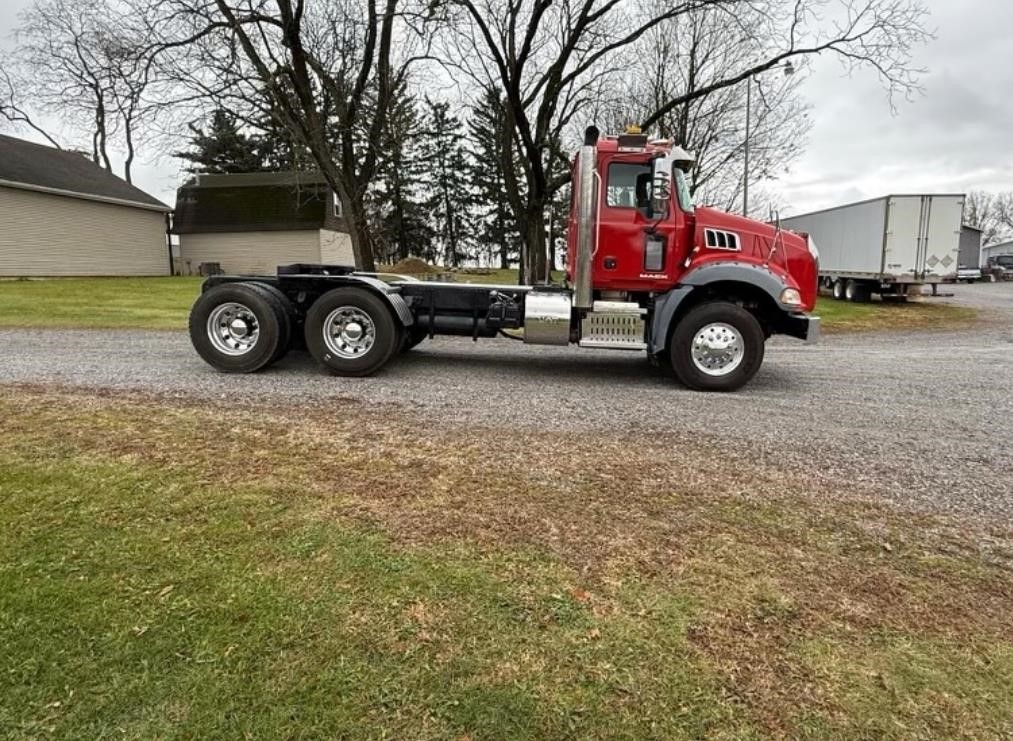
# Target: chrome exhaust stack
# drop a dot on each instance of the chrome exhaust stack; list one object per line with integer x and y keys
{"x": 587, "y": 193}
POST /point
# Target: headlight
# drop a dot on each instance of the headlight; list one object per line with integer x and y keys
{"x": 813, "y": 249}
{"x": 791, "y": 297}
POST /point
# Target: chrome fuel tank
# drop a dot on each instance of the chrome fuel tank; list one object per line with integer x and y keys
{"x": 547, "y": 317}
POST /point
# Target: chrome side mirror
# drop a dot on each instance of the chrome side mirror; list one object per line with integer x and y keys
{"x": 661, "y": 185}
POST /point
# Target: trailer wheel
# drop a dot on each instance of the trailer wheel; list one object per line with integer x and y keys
{"x": 351, "y": 332}
{"x": 838, "y": 289}
{"x": 857, "y": 292}
{"x": 285, "y": 313}
{"x": 717, "y": 346}
{"x": 235, "y": 327}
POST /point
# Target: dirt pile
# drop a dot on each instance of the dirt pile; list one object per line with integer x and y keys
{"x": 412, "y": 266}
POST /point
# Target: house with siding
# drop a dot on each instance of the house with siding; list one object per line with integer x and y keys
{"x": 249, "y": 223}
{"x": 61, "y": 214}
{"x": 995, "y": 250}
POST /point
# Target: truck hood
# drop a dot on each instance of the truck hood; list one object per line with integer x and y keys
{"x": 716, "y": 219}
{"x": 792, "y": 257}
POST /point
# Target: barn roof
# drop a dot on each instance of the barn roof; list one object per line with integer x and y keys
{"x": 36, "y": 167}
{"x": 254, "y": 202}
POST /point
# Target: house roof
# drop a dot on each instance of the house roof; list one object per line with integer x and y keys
{"x": 254, "y": 202}
{"x": 999, "y": 245}
{"x": 254, "y": 179}
{"x": 31, "y": 166}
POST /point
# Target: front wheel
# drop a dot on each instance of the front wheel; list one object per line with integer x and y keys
{"x": 717, "y": 346}
{"x": 351, "y": 332}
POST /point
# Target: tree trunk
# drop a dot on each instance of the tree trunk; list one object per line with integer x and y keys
{"x": 358, "y": 230}
{"x": 129, "y": 163}
{"x": 535, "y": 266}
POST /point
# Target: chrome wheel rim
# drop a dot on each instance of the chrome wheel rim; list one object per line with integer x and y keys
{"x": 233, "y": 329}
{"x": 718, "y": 349}
{"x": 349, "y": 332}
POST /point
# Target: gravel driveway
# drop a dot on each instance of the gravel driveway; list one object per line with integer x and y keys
{"x": 924, "y": 419}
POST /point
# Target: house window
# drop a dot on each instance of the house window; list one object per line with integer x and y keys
{"x": 338, "y": 212}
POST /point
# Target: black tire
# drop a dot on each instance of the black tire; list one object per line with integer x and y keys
{"x": 857, "y": 292}
{"x": 413, "y": 336}
{"x": 262, "y": 315}
{"x": 285, "y": 313}
{"x": 699, "y": 318}
{"x": 838, "y": 288}
{"x": 386, "y": 338}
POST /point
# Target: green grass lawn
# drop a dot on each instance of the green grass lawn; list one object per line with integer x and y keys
{"x": 843, "y": 316}
{"x": 164, "y": 303}
{"x": 191, "y": 571}
{"x": 98, "y": 303}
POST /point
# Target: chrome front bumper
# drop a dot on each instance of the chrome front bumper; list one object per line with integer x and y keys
{"x": 803, "y": 327}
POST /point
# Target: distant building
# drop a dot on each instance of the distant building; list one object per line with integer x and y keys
{"x": 994, "y": 250}
{"x": 970, "y": 247}
{"x": 249, "y": 223}
{"x": 61, "y": 214}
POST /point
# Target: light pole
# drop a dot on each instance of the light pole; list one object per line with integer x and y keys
{"x": 789, "y": 70}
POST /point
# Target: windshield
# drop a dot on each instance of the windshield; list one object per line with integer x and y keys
{"x": 1005, "y": 260}
{"x": 683, "y": 190}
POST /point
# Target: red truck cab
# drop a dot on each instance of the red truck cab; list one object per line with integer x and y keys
{"x": 637, "y": 251}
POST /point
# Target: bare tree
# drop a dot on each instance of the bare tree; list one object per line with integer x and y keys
{"x": 990, "y": 212}
{"x": 327, "y": 72}
{"x": 79, "y": 64}
{"x": 691, "y": 52}
{"x": 13, "y": 110}
{"x": 551, "y": 58}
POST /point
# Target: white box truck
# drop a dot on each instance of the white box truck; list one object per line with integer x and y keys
{"x": 891, "y": 246}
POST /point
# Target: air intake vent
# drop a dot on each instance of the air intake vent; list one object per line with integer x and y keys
{"x": 719, "y": 240}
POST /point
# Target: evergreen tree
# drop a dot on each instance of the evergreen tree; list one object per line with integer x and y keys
{"x": 486, "y": 136}
{"x": 448, "y": 201}
{"x": 278, "y": 152}
{"x": 223, "y": 147}
{"x": 399, "y": 215}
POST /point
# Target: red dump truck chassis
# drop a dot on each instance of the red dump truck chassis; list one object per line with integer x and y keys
{"x": 647, "y": 271}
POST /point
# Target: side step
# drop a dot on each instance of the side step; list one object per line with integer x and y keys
{"x": 614, "y": 325}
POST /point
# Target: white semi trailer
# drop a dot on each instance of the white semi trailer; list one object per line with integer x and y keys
{"x": 891, "y": 246}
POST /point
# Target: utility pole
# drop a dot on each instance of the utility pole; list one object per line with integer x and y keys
{"x": 788, "y": 69}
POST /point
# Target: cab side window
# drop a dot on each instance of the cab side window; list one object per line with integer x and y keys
{"x": 621, "y": 189}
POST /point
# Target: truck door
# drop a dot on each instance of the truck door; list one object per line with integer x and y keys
{"x": 627, "y": 257}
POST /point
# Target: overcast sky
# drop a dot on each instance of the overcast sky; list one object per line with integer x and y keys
{"x": 957, "y": 137}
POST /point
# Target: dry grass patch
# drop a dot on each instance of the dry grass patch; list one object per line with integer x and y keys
{"x": 787, "y": 599}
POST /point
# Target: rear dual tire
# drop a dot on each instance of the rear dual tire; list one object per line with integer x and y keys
{"x": 857, "y": 292}
{"x": 241, "y": 327}
{"x": 351, "y": 332}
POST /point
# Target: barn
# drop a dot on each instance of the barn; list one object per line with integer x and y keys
{"x": 62, "y": 215}
{"x": 249, "y": 223}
